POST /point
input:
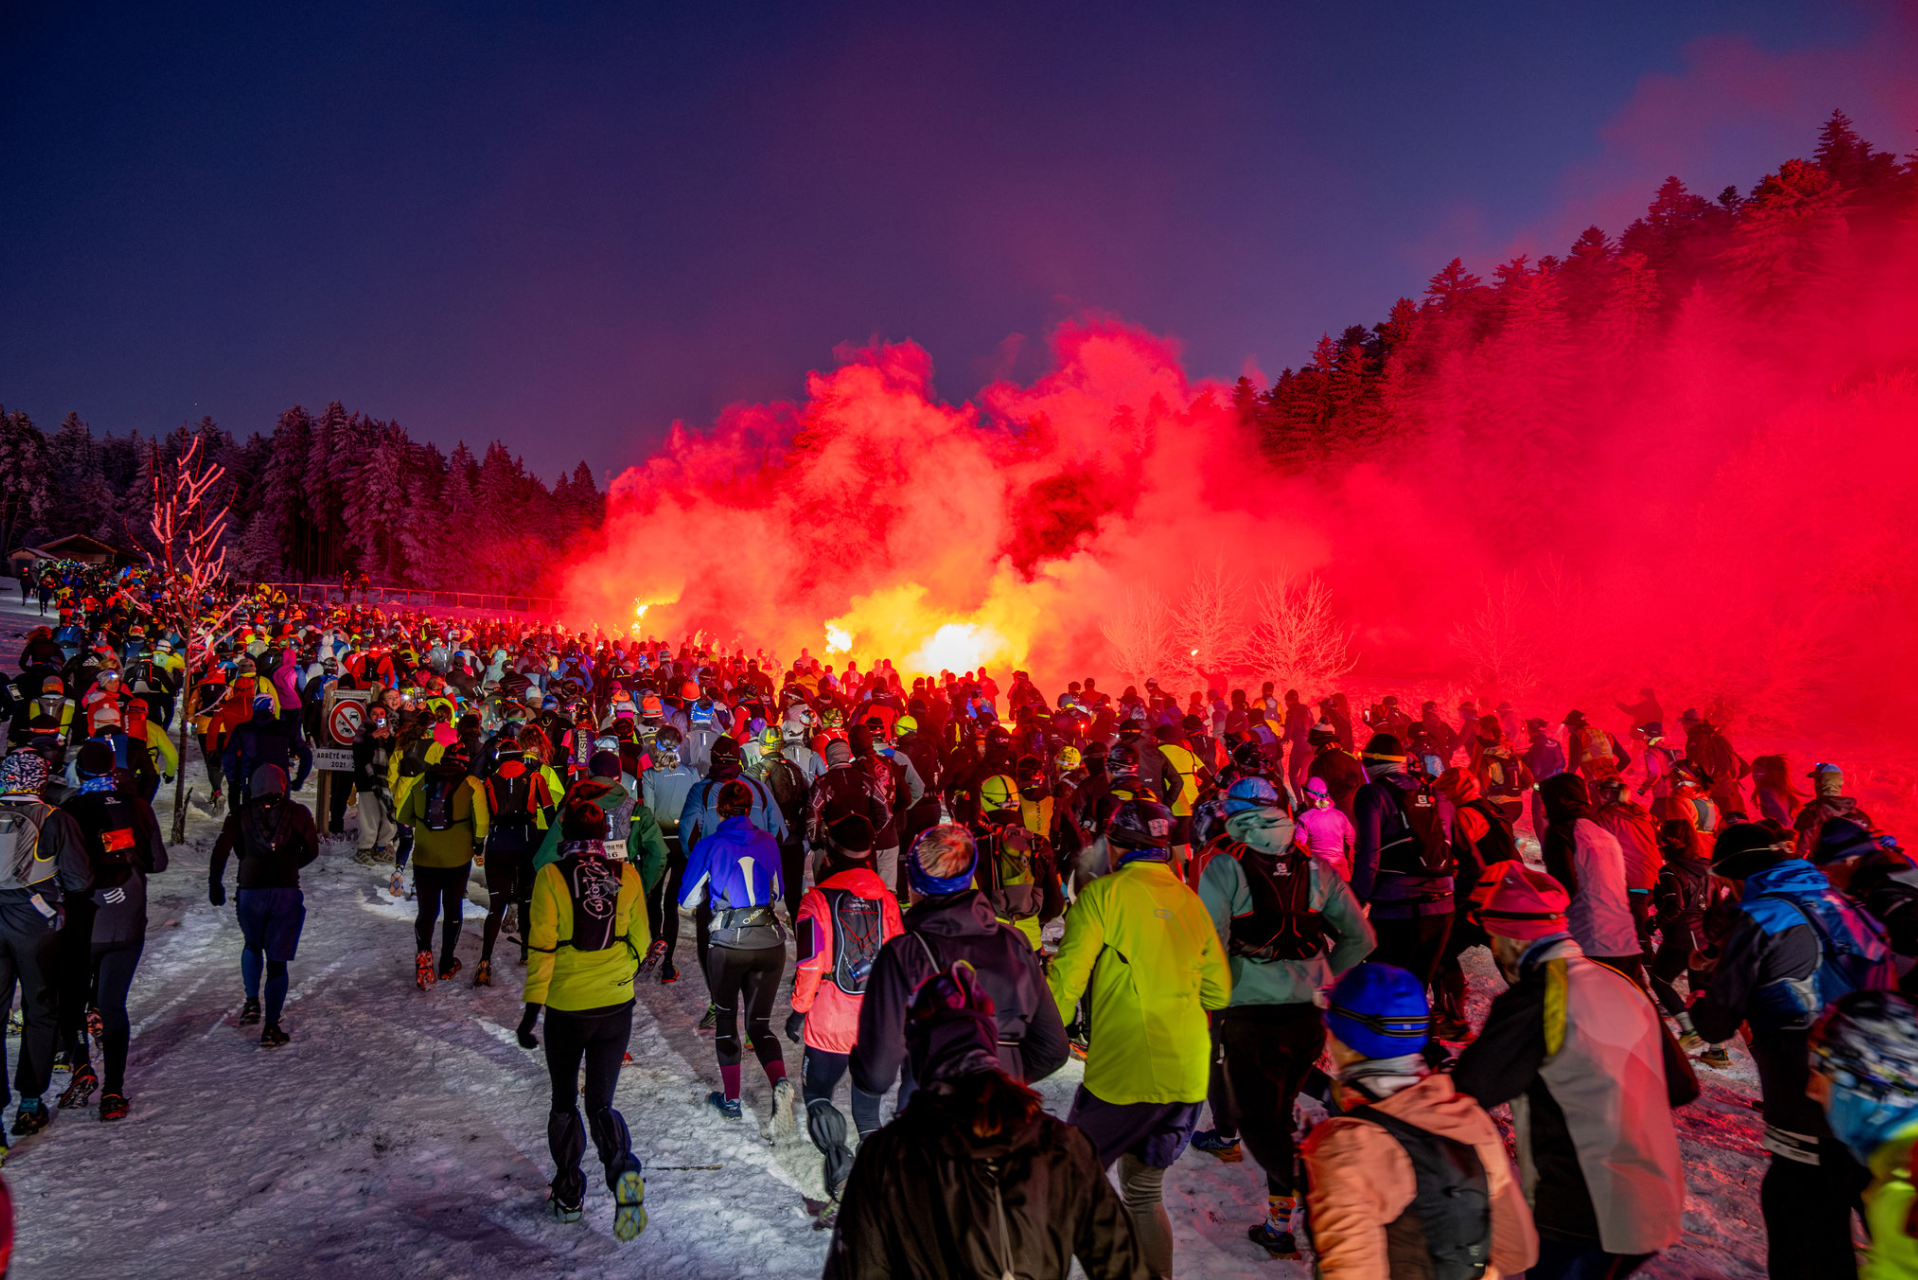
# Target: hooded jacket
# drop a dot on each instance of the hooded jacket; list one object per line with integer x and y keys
{"x": 940, "y": 931}
{"x": 1586, "y": 858}
{"x": 1592, "y": 1075}
{"x": 1227, "y": 896}
{"x": 832, "y": 1012}
{"x": 1142, "y": 947}
{"x": 1361, "y": 1181}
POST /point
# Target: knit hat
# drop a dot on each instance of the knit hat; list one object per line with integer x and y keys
{"x": 1515, "y": 901}
{"x": 1383, "y": 747}
{"x": 584, "y": 821}
{"x": 604, "y": 764}
{"x": 1745, "y": 848}
{"x": 23, "y": 773}
{"x": 1379, "y": 1011}
{"x": 1252, "y": 793}
{"x": 1315, "y": 789}
{"x": 838, "y": 752}
{"x": 851, "y": 833}
{"x": 95, "y": 760}
{"x": 952, "y": 1029}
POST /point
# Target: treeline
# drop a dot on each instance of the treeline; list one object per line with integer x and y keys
{"x": 322, "y": 495}
{"x": 1520, "y": 362}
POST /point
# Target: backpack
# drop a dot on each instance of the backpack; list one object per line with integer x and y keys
{"x": 21, "y": 865}
{"x": 115, "y": 847}
{"x": 1418, "y": 847}
{"x": 1502, "y": 777}
{"x": 858, "y": 927}
{"x": 511, "y": 802}
{"x": 1283, "y": 924}
{"x": 1013, "y": 869}
{"x": 439, "y": 801}
{"x": 788, "y": 786}
{"x": 1446, "y": 1232}
{"x": 593, "y": 881}
{"x": 1853, "y": 954}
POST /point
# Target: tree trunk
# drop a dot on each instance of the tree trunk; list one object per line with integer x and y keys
{"x": 179, "y": 776}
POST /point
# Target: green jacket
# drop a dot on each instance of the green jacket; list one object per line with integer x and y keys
{"x": 1893, "y": 1254}
{"x": 1143, "y": 944}
{"x": 1226, "y": 895}
{"x": 645, "y": 844}
{"x": 562, "y": 978}
{"x": 454, "y": 846}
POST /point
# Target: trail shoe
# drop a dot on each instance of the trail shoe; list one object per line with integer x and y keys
{"x": 728, "y": 1107}
{"x": 423, "y": 969}
{"x": 483, "y": 974}
{"x": 629, "y": 1194}
{"x": 1227, "y": 1149}
{"x": 96, "y": 1026}
{"x": 1716, "y": 1057}
{"x": 1451, "y": 1029}
{"x": 114, "y": 1106}
{"x": 250, "y": 1012}
{"x": 80, "y": 1091}
{"x": 711, "y": 1019}
{"x": 1691, "y": 1042}
{"x": 667, "y": 974}
{"x": 782, "y": 1108}
{"x": 448, "y": 970}
{"x": 33, "y": 1116}
{"x": 828, "y": 1214}
{"x": 1279, "y": 1244}
{"x": 367, "y": 857}
{"x": 567, "y": 1202}
{"x": 654, "y": 954}
{"x": 272, "y": 1036}
{"x": 397, "y": 885}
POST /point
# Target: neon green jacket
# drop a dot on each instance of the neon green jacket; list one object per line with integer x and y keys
{"x": 1145, "y": 945}
{"x": 1893, "y": 1254}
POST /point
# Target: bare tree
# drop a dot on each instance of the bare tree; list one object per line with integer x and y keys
{"x": 1497, "y": 641}
{"x": 1208, "y": 626}
{"x": 1295, "y": 638}
{"x": 1141, "y": 633}
{"x": 188, "y": 559}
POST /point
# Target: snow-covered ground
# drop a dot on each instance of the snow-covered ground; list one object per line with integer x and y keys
{"x": 403, "y": 1132}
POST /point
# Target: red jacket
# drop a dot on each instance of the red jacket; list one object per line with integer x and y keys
{"x": 819, "y": 988}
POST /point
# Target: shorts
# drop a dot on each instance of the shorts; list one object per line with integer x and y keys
{"x": 1156, "y": 1132}
{"x": 270, "y": 921}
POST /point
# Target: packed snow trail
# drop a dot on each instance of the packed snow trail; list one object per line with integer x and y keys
{"x": 404, "y": 1132}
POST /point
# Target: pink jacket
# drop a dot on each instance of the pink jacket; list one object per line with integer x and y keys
{"x": 839, "y": 938}
{"x": 1329, "y": 834}
{"x": 286, "y": 680}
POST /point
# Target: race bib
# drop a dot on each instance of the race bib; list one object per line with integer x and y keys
{"x": 615, "y": 848}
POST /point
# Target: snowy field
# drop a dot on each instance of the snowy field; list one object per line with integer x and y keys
{"x": 402, "y": 1133}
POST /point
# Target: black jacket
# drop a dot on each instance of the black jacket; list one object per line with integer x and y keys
{"x": 958, "y": 926}
{"x": 927, "y": 1199}
{"x": 274, "y": 841}
{"x": 124, "y": 847}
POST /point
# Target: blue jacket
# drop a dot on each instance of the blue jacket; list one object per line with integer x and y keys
{"x": 698, "y": 816}
{"x": 736, "y": 866}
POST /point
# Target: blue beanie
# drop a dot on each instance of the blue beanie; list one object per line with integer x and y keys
{"x": 1251, "y": 793}
{"x": 1380, "y": 1011}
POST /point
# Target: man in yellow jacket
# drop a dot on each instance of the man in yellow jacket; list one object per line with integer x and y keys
{"x": 1144, "y": 944}
{"x": 447, "y": 813}
{"x": 587, "y": 934}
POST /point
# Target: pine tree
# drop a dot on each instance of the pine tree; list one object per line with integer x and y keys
{"x": 285, "y": 501}
{"x": 25, "y": 496}
{"x": 1452, "y": 288}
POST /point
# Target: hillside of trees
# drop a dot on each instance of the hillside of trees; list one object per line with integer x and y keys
{"x": 320, "y": 495}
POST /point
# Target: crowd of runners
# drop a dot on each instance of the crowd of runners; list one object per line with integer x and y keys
{"x": 1225, "y": 903}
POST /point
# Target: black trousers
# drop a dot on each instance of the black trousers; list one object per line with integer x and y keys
{"x": 509, "y": 880}
{"x": 1269, "y": 1049}
{"x": 113, "y": 968}
{"x": 1673, "y": 957}
{"x": 1807, "y": 1210}
{"x": 1414, "y": 943}
{"x": 598, "y": 1038}
{"x": 29, "y": 958}
{"x": 745, "y": 982}
{"x": 821, "y": 1074}
{"x": 439, "y": 888}
{"x": 792, "y": 870}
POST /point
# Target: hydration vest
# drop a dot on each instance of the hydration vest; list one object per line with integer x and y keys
{"x": 1446, "y": 1232}
{"x": 1417, "y": 847}
{"x": 1283, "y": 924}
{"x": 592, "y": 881}
{"x": 1012, "y": 868}
{"x": 858, "y": 927}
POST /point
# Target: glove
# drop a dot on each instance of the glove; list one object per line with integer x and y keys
{"x": 796, "y": 1027}
{"x": 216, "y": 894}
{"x": 526, "y": 1023}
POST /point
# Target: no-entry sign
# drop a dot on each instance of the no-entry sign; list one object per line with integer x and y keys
{"x": 345, "y": 714}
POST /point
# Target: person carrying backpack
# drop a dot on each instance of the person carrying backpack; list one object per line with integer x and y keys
{"x": 843, "y": 922}
{"x": 1412, "y": 1179}
{"x": 587, "y": 933}
{"x": 1864, "y": 1072}
{"x": 43, "y": 861}
{"x": 447, "y": 813}
{"x": 1403, "y": 863}
{"x": 275, "y": 837}
{"x": 1797, "y": 946}
{"x": 106, "y": 931}
{"x": 519, "y": 809}
{"x": 1289, "y": 925}
{"x": 1017, "y": 870}
{"x": 791, "y": 792}
{"x": 1481, "y": 838}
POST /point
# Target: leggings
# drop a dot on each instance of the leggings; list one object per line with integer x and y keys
{"x": 820, "y": 1075}
{"x": 669, "y": 913}
{"x": 1269, "y": 1050}
{"x": 113, "y": 967}
{"x": 277, "y": 982}
{"x": 437, "y": 886}
{"x": 599, "y": 1038}
{"x": 748, "y": 980}
{"x": 509, "y": 879}
{"x": 1672, "y": 958}
{"x": 1414, "y": 943}
{"x": 1142, "y": 1188}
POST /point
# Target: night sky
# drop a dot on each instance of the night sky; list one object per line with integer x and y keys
{"x": 566, "y": 225}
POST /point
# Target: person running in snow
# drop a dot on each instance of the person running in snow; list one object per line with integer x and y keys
{"x": 586, "y": 934}
{"x": 664, "y": 787}
{"x": 275, "y": 837}
{"x": 1586, "y": 859}
{"x": 1411, "y": 1177}
{"x": 447, "y": 813}
{"x": 1685, "y": 894}
{"x": 1481, "y": 838}
{"x": 843, "y": 923}
{"x": 1592, "y": 1075}
{"x": 105, "y": 932}
{"x": 1144, "y": 946}
{"x": 1325, "y": 830}
{"x": 1289, "y": 925}
{"x": 974, "y": 1178}
{"x": 735, "y": 869}
{"x": 1404, "y": 865}
{"x": 43, "y": 862}
{"x": 519, "y": 810}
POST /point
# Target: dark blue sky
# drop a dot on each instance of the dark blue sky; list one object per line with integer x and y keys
{"x": 566, "y": 225}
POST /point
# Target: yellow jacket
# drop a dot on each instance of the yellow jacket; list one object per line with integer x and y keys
{"x": 560, "y": 977}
